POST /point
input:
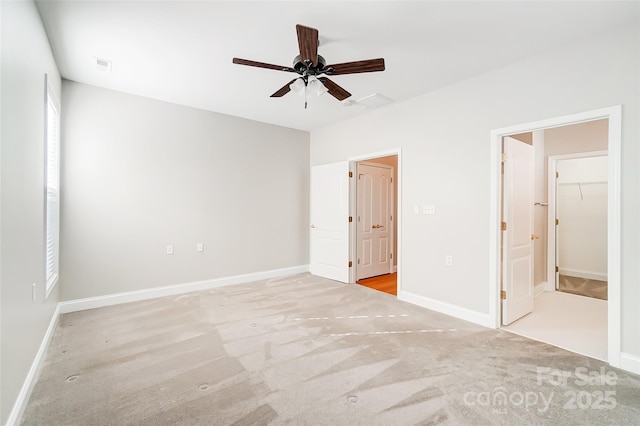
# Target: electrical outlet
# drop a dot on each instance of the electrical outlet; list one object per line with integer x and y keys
{"x": 199, "y": 247}
{"x": 449, "y": 260}
{"x": 170, "y": 249}
{"x": 33, "y": 292}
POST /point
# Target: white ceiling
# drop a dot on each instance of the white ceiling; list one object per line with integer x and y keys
{"x": 181, "y": 51}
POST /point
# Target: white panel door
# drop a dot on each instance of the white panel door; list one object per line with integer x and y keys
{"x": 329, "y": 238}
{"x": 517, "y": 239}
{"x": 373, "y": 219}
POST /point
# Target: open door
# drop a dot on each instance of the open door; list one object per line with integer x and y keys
{"x": 517, "y": 236}
{"x": 329, "y": 238}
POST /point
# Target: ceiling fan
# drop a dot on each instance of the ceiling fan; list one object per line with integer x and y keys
{"x": 312, "y": 68}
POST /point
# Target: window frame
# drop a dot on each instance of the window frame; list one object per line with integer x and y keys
{"x": 51, "y": 189}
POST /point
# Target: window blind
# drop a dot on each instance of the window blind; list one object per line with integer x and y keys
{"x": 53, "y": 191}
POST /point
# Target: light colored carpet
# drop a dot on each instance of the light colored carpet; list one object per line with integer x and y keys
{"x": 303, "y": 350}
{"x": 583, "y": 287}
{"x": 572, "y": 322}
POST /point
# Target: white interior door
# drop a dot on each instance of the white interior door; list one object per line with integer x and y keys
{"x": 373, "y": 219}
{"x": 517, "y": 238}
{"x": 329, "y": 237}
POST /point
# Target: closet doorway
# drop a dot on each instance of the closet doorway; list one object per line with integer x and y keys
{"x": 579, "y": 207}
{"x": 573, "y": 318}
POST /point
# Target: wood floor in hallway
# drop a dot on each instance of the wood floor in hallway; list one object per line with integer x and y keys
{"x": 387, "y": 283}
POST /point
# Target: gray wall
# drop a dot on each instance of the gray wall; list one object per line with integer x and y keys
{"x": 139, "y": 174}
{"x": 445, "y": 141}
{"x": 26, "y": 57}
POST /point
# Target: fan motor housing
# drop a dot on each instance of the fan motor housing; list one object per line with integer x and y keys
{"x": 303, "y": 69}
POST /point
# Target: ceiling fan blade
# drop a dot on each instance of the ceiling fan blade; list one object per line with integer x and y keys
{"x": 283, "y": 90}
{"x": 367, "y": 65}
{"x": 262, "y": 65}
{"x": 334, "y": 90}
{"x": 308, "y": 43}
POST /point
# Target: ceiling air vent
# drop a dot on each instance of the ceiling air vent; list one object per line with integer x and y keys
{"x": 371, "y": 101}
{"x": 374, "y": 100}
{"x": 102, "y": 64}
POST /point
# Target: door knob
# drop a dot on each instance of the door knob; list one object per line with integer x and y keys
{"x": 313, "y": 226}
{"x": 534, "y": 237}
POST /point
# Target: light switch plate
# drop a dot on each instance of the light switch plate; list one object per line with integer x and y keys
{"x": 429, "y": 209}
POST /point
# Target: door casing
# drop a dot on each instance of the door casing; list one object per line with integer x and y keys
{"x": 614, "y": 114}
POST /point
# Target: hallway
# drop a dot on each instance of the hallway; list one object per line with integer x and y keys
{"x": 387, "y": 283}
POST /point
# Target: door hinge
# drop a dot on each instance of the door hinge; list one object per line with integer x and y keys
{"x": 557, "y": 175}
{"x": 390, "y": 255}
{"x": 350, "y": 174}
{"x": 557, "y": 269}
{"x": 358, "y": 261}
{"x": 390, "y": 217}
{"x": 503, "y": 295}
{"x": 350, "y": 264}
{"x": 391, "y": 180}
{"x": 504, "y": 157}
{"x": 350, "y": 219}
{"x": 557, "y": 222}
{"x": 504, "y": 226}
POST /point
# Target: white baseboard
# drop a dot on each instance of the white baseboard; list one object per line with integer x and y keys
{"x": 588, "y": 275}
{"x": 447, "y": 308}
{"x": 170, "y": 290}
{"x": 550, "y": 286}
{"x": 112, "y": 299}
{"x": 630, "y": 362}
{"x": 539, "y": 289}
{"x": 20, "y": 404}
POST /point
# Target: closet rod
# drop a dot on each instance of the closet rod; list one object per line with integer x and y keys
{"x": 582, "y": 183}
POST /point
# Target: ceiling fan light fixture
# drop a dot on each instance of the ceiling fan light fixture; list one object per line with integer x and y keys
{"x": 309, "y": 64}
{"x": 315, "y": 86}
{"x": 298, "y": 86}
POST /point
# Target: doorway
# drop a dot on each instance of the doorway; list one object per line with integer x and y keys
{"x": 578, "y": 188}
{"x": 332, "y": 233}
{"x": 375, "y": 223}
{"x": 545, "y": 288}
{"x": 576, "y": 216}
